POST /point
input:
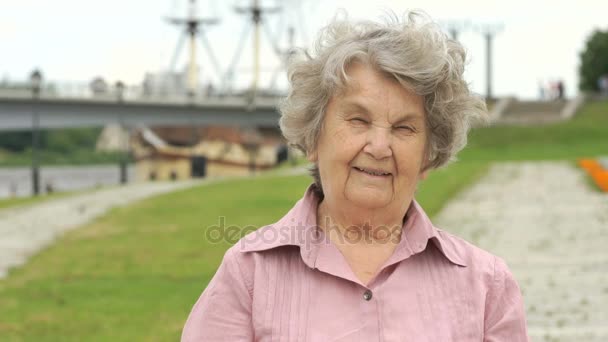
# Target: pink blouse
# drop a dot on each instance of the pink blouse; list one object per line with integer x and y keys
{"x": 286, "y": 282}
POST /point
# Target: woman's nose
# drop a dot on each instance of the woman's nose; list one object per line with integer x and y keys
{"x": 378, "y": 143}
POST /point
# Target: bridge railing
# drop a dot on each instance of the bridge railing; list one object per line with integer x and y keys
{"x": 84, "y": 91}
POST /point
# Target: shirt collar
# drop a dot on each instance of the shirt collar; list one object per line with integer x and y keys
{"x": 418, "y": 230}
{"x": 299, "y": 228}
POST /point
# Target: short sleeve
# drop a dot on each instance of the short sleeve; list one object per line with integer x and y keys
{"x": 223, "y": 312}
{"x": 505, "y": 318}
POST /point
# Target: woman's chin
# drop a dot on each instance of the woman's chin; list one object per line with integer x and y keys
{"x": 365, "y": 198}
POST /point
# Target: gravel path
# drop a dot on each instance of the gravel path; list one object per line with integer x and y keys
{"x": 551, "y": 227}
{"x": 26, "y": 230}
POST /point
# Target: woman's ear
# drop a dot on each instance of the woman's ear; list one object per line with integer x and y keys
{"x": 312, "y": 156}
{"x": 424, "y": 173}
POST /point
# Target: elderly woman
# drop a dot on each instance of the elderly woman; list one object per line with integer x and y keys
{"x": 374, "y": 109}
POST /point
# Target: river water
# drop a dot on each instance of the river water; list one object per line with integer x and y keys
{"x": 17, "y": 181}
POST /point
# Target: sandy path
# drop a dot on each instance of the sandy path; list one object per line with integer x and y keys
{"x": 26, "y": 230}
{"x": 552, "y": 229}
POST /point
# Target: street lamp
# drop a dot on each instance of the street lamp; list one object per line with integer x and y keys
{"x": 36, "y": 84}
{"x": 120, "y": 90}
{"x": 489, "y": 31}
{"x": 251, "y": 143}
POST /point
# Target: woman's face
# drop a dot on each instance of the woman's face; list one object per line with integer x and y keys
{"x": 371, "y": 150}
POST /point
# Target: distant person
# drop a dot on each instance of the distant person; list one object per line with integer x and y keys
{"x": 49, "y": 187}
{"x": 146, "y": 87}
{"x": 13, "y": 189}
{"x": 541, "y": 90}
{"x": 560, "y": 89}
{"x": 376, "y": 108}
{"x": 210, "y": 90}
{"x": 602, "y": 84}
{"x": 552, "y": 90}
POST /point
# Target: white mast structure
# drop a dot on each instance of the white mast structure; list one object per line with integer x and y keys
{"x": 256, "y": 12}
{"x": 193, "y": 26}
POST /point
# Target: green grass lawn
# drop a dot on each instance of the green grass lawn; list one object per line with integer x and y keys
{"x": 134, "y": 274}
{"x": 443, "y": 184}
{"x": 585, "y": 135}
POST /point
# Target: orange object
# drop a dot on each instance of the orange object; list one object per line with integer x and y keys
{"x": 589, "y": 164}
{"x": 596, "y": 171}
{"x": 601, "y": 179}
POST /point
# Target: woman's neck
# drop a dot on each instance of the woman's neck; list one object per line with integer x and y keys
{"x": 360, "y": 225}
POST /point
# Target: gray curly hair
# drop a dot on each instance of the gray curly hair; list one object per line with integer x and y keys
{"x": 414, "y": 51}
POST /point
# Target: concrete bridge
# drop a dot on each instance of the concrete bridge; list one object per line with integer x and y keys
{"x": 18, "y": 111}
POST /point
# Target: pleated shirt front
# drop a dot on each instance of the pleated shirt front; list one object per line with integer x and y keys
{"x": 287, "y": 282}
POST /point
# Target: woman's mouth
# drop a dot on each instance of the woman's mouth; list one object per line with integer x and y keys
{"x": 372, "y": 172}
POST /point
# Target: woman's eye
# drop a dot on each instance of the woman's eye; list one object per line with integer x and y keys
{"x": 406, "y": 129}
{"x": 358, "y": 120}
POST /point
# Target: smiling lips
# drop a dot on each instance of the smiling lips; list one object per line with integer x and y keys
{"x": 372, "y": 172}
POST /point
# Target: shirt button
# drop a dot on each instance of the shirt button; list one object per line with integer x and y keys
{"x": 367, "y": 295}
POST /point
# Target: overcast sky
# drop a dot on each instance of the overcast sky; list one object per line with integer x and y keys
{"x": 75, "y": 40}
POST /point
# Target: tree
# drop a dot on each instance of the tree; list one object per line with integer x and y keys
{"x": 19, "y": 141}
{"x": 594, "y": 61}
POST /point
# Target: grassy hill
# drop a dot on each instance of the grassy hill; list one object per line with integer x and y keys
{"x": 584, "y": 135}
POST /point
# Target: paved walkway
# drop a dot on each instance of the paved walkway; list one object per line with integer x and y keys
{"x": 552, "y": 229}
{"x": 26, "y": 230}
